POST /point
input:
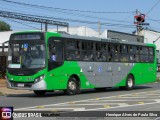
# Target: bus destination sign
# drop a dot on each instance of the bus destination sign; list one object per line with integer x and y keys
{"x": 27, "y": 37}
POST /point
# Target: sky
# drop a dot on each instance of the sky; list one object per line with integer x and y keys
{"x": 115, "y": 15}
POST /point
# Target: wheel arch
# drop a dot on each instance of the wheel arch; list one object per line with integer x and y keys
{"x": 131, "y": 74}
{"x": 77, "y": 79}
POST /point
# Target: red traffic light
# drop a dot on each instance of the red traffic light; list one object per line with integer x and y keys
{"x": 139, "y": 18}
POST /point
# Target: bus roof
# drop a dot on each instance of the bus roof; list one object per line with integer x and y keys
{"x": 66, "y": 35}
{"x": 112, "y": 40}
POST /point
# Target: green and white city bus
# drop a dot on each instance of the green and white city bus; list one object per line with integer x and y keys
{"x": 48, "y": 61}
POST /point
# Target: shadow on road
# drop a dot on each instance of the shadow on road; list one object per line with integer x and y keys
{"x": 87, "y": 91}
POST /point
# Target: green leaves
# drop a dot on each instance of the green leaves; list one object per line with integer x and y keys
{"x": 4, "y": 26}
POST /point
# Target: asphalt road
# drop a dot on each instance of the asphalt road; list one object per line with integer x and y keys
{"x": 141, "y": 98}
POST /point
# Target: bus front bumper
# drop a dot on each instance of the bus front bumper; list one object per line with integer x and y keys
{"x": 41, "y": 85}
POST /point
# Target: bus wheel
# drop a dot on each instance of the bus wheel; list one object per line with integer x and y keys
{"x": 71, "y": 87}
{"x": 129, "y": 82}
{"x": 39, "y": 92}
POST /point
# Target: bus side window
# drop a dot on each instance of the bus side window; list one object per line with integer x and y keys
{"x": 56, "y": 51}
{"x": 144, "y": 54}
{"x": 73, "y": 49}
{"x": 52, "y": 53}
{"x": 98, "y": 56}
{"x": 115, "y": 53}
{"x": 109, "y": 56}
{"x": 151, "y": 54}
{"x": 87, "y": 53}
{"x": 72, "y": 55}
{"x": 87, "y": 56}
{"x": 101, "y": 50}
{"x": 137, "y": 50}
{"x": 103, "y": 47}
{"x": 151, "y": 51}
{"x": 123, "y": 52}
{"x": 137, "y": 56}
{"x": 70, "y": 45}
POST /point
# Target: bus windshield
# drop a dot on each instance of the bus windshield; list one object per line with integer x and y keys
{"x": 26, "y": 55}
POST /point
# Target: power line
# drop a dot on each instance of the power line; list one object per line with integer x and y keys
{"x": 139, "y": 28}
{"x": 157, "y": 21}
{"x": 151, "y": 10}
{"x": 69, "y": 11}
{"x": 8, "y": 19}
{"x": 71, "y": 20}
{"x": 76, "y": 10}
{"x": 153, "y": 7}
{"x": 23, "y": 24}
{"x": 74, "y": 20}
{"x": 31, "y": 18}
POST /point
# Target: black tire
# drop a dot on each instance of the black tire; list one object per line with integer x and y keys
{"x": 39, "y": 92}
{"x": 129, "y": 82}
{"x": 72, "y": 87}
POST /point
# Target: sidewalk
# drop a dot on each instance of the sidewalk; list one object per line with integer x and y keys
{"x": 5, "y": 91}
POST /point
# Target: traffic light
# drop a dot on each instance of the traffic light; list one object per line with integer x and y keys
{"x": 139, "y": 18}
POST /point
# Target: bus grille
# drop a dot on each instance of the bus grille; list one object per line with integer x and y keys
{"x": 26, "y": 85}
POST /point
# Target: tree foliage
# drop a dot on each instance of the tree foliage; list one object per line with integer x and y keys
{"x": 4, "y": 26}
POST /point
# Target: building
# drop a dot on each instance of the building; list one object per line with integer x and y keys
{"x": 122, "y": 36}
{"x": 151, "y": 36}
{"x": 80, "y": 30}
{"x": 4, "y": 37}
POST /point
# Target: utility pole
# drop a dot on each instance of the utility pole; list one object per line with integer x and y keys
{"x": 99, "y": 27}
{"x": 139, "y": 20}
{"x": 139, "y": 27}
{"x": 137, "y": 24}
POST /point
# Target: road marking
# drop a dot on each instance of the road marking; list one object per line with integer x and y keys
{"x": 93, "y": 104}
{"x": 56, "y": 109}
{"x": 140, "y": 102}
{"x": 40, "y": 106}
{"x": 120, "y": 100}
{"x": 88, "y": 100}
{"x": 97, "y": 98}
{"x": 106, "y": 106}
{"x": 158, "y": 100}
{"x": 131, "y": 97}
{"x": 71, "y": 102}
{"x": 80, "y": 109}
{"x": 134, "y": 94}
{"x": 122, "y": 106}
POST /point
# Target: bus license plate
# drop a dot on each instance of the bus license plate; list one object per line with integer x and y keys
{"x": 20, "y": 85}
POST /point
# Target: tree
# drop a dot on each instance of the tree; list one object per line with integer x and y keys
{"x": 4, "y": 26}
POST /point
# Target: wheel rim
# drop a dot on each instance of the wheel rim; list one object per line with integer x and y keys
{"x": 72, "y": 85}
{"x": 130, "y": 82}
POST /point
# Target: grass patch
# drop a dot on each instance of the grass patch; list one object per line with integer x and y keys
{"x": 158, "y": 79}
{"x": 1, "y": 94}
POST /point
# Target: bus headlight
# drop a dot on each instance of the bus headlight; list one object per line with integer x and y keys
{"x": 39, "y": 78}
